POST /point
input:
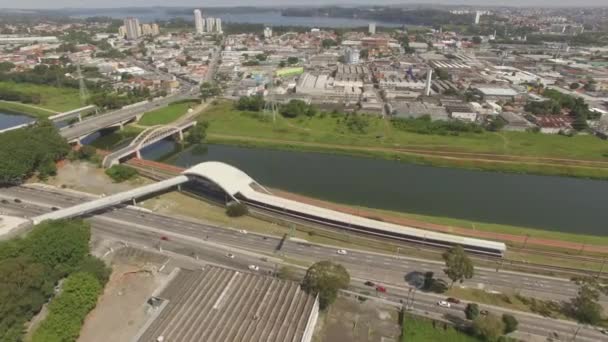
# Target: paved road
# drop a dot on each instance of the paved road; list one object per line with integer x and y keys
{"x": 95, "y": 123}
{"x": 211, "y": 243}
{"x": 388, "y": 268}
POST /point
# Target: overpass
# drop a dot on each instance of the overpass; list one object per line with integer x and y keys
{"x": 76, "y": 132}
{"x": 76, "y": 113}
{"x": 147, "y": 138}
{"x": 112, "y": 200}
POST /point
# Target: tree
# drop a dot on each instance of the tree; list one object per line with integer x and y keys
{"x": 297, "y": 108}
{"x": 364, "y": 54}
{"x": 288, "y": 273}
{"x": 6, "y": 66}
{"x": 471, "y": 311}
{"x": 208, "y": 90}
{"x": 442, "y": 74}
{"x": 428, "y": 280}
{"x": 282, "y": 64}
{"x": 251, "y": 103}
{"x": 324, "y": 279}
{"x": 236, "y": 209}
{"x": 458, "y": 265}
{"x": 589, "y": 86}
{"x": 585, "y": 307}
{"x": 488, "y": 327}
{"x": 120, "y": 173}
{"x": 574, "y": 85}
{"x": 476, "y": 40}
{"x": 292, "y": 60}
{"x": 579, "y": 123}
{"x": 85, "y": 152}
{"x": 327, "y": 43}
{"x": 510, "y": 322}
{"x": 198, "y": 133}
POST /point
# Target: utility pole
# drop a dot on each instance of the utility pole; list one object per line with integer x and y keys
{"x": 599, "y": 275}
{"x": 526, "y": 241}
{"x": 84, "y": 93}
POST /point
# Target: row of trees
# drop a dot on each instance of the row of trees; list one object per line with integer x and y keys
{"x": 31, "y": 267}
{"x": 424, "y": 125}
{"x": 30, "y": 150}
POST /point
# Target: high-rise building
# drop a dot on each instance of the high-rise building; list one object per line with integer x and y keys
{"x": 372, "y": 28}
{"x": 132, "y": 28}
{"x": 267, "y": 32}
{"x": 218, "y": 25}
{"x": 199, "y": 23}
{"x": 210, "y": 23}
{"x": 155, "y": 29}
{"x": 477, "y": 17}
{"x": 122, "y": 31}
{"x": 351, "y": 56}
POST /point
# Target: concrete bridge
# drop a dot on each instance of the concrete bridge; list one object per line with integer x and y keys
{"x": 118, "y": 118}
{"x": 76, "y": 113}
{"x": 147, "y": 138}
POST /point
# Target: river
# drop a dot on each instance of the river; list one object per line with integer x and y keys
{"x": 272, "y": 18}
{"x": 8, "y": 120}
{"x": 550, "y": 203}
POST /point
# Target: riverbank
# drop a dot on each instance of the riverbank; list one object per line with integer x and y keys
{"x": 25, "y": 109}
{"x": 581, "y": 156}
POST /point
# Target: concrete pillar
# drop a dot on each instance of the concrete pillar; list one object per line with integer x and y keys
{"x": 134, "y": 202}
{"x": 79, "y": 117}
{"x": 121, "y": 126}
{"x": 179, "y": 187}
{"x": 138, "y": 154}
{"x": 181, "y": 135}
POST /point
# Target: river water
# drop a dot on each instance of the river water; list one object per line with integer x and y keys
{"x": 550, "y": 203}
{"x": 273, "y": 18}
{"x": 8, "y": 120}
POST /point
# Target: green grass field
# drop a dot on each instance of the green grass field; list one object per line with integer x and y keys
{"x": 52, "y": 98}
{"x": 167, "y": 114}
{"x": 20, "y": 108}
{"x": 328, "y": 129}
{"x": 417, "y": 329}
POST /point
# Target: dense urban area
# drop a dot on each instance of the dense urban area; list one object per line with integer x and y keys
{"x": 363, "y": 173}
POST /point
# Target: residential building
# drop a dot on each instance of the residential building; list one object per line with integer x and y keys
{"x": 351, "y": 56}
{"x": 372, "y": 28}
{"x": 210, "y": 23}
{"x": 218, "y": 25}
{"x": 133, "y": 30}
{"x": 198, "y": 21}
{"x": 267, "y": 32}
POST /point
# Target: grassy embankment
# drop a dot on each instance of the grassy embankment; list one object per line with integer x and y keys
{"x": 167, "y": 114}
{"x": 519, "y": 152}
{"x": 418, "y": 329}
{"x": 53, "y": 100}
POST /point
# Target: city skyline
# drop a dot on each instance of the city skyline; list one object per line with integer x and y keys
{"x": 43, "y": 4}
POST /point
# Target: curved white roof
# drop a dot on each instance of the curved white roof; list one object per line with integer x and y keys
{"x": 234, "y": 181}
{"x": 228, "y": 177}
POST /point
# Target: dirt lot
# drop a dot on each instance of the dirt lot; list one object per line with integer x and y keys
{"x": 122, "y": 311}
{"x": 350, "y": 321}
{"x": 87, "y": 177}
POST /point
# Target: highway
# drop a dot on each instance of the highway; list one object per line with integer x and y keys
{"x": 98, "y": 122}
{"x": 209, "y": 242}
{"x": 393, "y": 269}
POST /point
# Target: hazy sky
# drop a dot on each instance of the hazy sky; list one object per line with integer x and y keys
{"x": 203, "y": 3}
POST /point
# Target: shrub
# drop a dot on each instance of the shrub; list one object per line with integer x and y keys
{"x": 236, "y": 209}
{"x": 121, "y": 173}
{"x": 510, "y": 323}
{"x": 472, "y": 311}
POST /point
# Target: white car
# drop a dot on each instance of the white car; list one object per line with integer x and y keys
{"x": 444, "y": 304}
{"x": 254, "y": 267}
{"x": 342, "y": 251}
{"x": 230, "y": 255}
{"x": 242, "y": 231}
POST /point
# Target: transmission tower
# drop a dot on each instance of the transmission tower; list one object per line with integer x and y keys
{"x": 84, "y": 93}
{"x": 270, "y": 105}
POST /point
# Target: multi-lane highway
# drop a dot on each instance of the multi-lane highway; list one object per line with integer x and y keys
{"x": 97, "y": 122}
{"x": 197, "y": 239}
